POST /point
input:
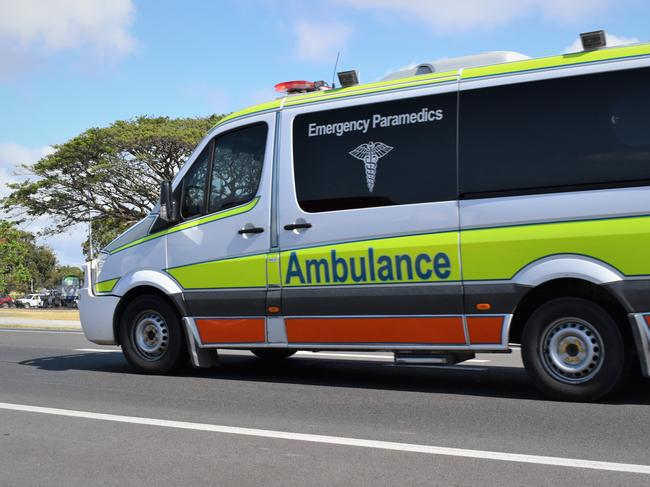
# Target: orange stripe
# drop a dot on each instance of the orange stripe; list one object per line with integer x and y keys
{"x": 647, "y": 320}
{"x": 484, "y": 329}
{"x": 233, "y": 330}
{"x": 447, "y": 330}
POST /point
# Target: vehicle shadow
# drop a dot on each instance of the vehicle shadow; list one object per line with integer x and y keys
{"x": 483, "y": 381}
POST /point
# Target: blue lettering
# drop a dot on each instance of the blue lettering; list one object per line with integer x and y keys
{"x": 362, "y": 267}
{"x": 425, "y": 275}
{"x": 399, "y": 259}
{"x": 385, "y": 271}
{"x": 336, "y": 263}
{"x": 441, "y": 265}
{"x": 294, "y": 269}
{"x": 317, "y": 265}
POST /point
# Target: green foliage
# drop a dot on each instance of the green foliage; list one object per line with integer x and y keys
{"x": 113, "y": 173}
{"x": 22, "y": 261}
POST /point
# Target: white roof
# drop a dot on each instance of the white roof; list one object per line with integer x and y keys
{"x": 453, "y": 64}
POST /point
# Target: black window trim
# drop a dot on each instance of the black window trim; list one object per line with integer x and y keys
{"x": 212, "y": 155}
{"x": 210, "y": 147}
{"x": 538, "y": 190}
{"x": 208, "y": 186}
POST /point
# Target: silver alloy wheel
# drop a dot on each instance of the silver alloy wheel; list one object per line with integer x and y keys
{"x": 151, "y": 336}
{"x": 571, "y": 350}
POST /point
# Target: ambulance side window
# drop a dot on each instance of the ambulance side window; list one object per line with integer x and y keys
{"x": 194, "y": 183}
{"x": 564, "y": 134}
{"x": 392, "y": 153}
{"x": 237, "y": 167}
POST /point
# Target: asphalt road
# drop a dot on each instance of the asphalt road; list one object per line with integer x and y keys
{"x": 243, "y": 422}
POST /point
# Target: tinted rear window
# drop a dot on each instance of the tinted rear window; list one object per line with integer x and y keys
{"x": 392, "y": 153}
{"x": 562, "y": 134}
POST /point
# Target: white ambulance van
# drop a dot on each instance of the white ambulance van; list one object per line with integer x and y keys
{"x": 433, "y": 215}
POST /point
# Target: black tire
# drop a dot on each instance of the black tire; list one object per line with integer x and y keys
{"x": 26, "y": 306}
{"x": 273, "y": 354}
{"x": 150, "y": 321}
{"x": 579, "y": 335}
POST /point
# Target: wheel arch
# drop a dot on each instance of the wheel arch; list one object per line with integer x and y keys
{"x": 175, "y": 300}
{"x": 569, "y": 287}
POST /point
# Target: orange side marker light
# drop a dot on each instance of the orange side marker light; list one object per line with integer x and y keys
{"x": 483, "y": 306}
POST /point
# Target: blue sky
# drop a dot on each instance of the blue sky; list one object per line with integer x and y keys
{"x": 67, "y": 65}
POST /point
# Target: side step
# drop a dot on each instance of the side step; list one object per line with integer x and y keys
{"x": 419, "y": 358}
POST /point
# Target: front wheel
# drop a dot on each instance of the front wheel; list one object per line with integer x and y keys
{"x": 151, "y": 336}
{"x": 574, "y": 350}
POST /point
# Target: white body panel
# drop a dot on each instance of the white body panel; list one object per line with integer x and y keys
{"x": 219, "y": 239}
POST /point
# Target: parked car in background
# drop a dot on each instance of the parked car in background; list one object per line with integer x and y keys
{"x": 6, "y": 301}
{"x": 30, "y": 301}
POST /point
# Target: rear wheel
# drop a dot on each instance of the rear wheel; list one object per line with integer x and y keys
{"x": 26, "y": 306}
{"x": 273, "y": 353}
{"x": 574, "y": 350}
{"x": 151, "y": 336}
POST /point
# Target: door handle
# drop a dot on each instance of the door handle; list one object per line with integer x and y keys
{"x": 295, "y": 226}
{"x": 250, "y": 230}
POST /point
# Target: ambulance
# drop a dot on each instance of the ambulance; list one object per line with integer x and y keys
{"x": 472, "y": 205}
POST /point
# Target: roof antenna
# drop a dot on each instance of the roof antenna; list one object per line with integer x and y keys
{"x": 336, "y": 65}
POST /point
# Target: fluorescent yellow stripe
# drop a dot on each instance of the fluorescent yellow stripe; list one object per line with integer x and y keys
{"x": 247, "y": 271}
{"x": 106, "y": 286}
{"x": 193, "y": 223}
{"x": 499, "y": 253}
{"x": 557, "y": 61}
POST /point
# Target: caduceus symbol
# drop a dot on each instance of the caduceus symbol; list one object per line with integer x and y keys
{"x": 370, "y": 154}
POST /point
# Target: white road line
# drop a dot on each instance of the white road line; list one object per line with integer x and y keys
{"x": 340, "y": 440}
{"x": 103, "y": 350}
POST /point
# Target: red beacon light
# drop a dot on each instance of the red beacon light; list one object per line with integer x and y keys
{"x": 292, "y": 87}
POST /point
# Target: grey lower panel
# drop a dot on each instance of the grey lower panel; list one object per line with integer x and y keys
{"x": 226, "y": 302}
{"x": 373, "y": 300}
{"x": 503, "y": 297}
{"x": 634, "y": 294}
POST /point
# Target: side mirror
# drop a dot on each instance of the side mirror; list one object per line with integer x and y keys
{"x": 168, "y": 206}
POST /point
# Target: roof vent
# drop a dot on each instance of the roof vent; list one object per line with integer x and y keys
{"x": 593, "y": 40}
{"x": 454, "y": 64}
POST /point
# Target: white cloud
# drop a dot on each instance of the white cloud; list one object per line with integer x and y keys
{"x": 444, "y": 16}
{"x": 612, "y": 40}
{"x": 31, "y": 29}
{"x": 320, "y": 41}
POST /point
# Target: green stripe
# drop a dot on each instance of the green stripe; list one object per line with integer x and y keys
{"x": 193, "y": 223}
{"x": 238, "y": 272}
{"x": 564, "y": 60}
{"x": 106, "y": 286}
{"x": 487, "y": 254}
{"x": 499, "y": 253}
